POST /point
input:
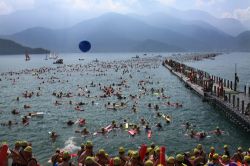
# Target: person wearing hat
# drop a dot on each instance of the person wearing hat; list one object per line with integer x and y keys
{"x": 156, "y": 155}
{"x": 225, "y": 160}
{"x": 215, "y": 161}
{"x": 212, "y": 152}
{"x": 55, "y": 158}
{"x": 122, "y": 156}
{"x": 179, "y": 160}
{"x": 15, "y": 154}
{"x": 136, "y": 160}
{"x": 198, "y": 158}
{"x": 81, "y": 150}
{"x": 88, "y": 152}
{"x": 90, "y": 161}
{"x": 238, "y": 156}
{"x": 247, "y": 160}
{"x": 26, "y": 157}
{"x": 226, "y": 151}
{"x": 187, "y": 159}
{"x": 117, "y": 161}
{"x": 202, "y": 153}
{"x": 170, "y": 161}
{"x": 149, "y": 163}
{"x": 66, "y": 159}
{"x": 23, "y": 144}
{"x": 101, "y": 157}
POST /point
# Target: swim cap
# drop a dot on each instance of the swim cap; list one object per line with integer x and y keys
{"x": 170, "y": 160}
{"x": 225, "y": 146}
{"x": 89, "y": 144}
{"x": 24, "y": 143}
{"x": 224, "y": 158}
{"x": 199, "y": 146}
{"x": 149, "y": 149}
{"x": 239, "y": 148}
{"x": 196, "y": 151}
{"x": 4, "y": 143}
{"x": 89, "y": 160}
{"x": 130, "y": 153}
{"x": 247, "y": 158}
{"x": 215, "y": 156}
{"x": 102, "y": 151}
{"x": 192, "y": 158}
{"x": 212, "y": 148}
{"x": 117, "y": 161}
{"x": 121, "y": 150}
{"x": 160, "y": 165}
{"x": 66, "y": 155}
{"x": 82, "y": 145}
{"x": 28, "y": 149}
{"x": 17, "y": 143}
{"x": 180, "y": 157}
{"x": 149, "y": 163}
{"x": 217, "y": 127}
{"x": 135, "y": 154}
{"x": 157, "y": 149}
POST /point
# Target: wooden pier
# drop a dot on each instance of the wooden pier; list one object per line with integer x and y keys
{"x": 217, "y": 91}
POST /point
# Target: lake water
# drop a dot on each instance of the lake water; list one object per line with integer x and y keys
{"x": 203, "y": 116}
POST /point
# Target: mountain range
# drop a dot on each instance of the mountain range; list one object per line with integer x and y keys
{"x": 8, "y": 47}
{"x": 160, "y": 32}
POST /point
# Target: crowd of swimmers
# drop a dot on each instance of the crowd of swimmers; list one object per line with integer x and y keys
{"x": 115, "y": 90}
{"x": 151, "y": 155}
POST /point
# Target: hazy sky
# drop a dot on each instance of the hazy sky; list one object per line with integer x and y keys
{"x": 239, "y": 9}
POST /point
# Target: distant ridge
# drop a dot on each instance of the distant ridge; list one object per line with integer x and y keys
{"x": 243, "y": 41}
{"x": 114, "y": 32}
{"x": 9, "y": 47}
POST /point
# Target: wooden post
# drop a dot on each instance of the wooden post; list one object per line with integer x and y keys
{"x": 245, "y": 89}
{"x": 215, "y": 90}
{"x": 218, "y": 92}
{"x": 231, "y": 84}
{"x": 249, "y": 91}
{"x": 229, "y": 97}
{"x": 227, "y": 83}
{"x": 242, "y": 106}
{"x": 233, "y": 100}
{"x": 238, "y": 102}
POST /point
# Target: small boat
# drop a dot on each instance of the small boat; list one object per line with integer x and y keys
{"x": 137, "y": 56}
{"x": 53, "y": 56}
{"x": 96, "y": 60}
{"x": 59, "y": 61}
{"x": 46, "y": 58}
{"x": 80, "y": 59}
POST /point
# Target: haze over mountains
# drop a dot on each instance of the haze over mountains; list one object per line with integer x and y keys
{"x": 174, "y": 30}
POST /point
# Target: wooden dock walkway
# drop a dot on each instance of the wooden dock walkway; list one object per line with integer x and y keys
{"x": 235, "y": 104}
